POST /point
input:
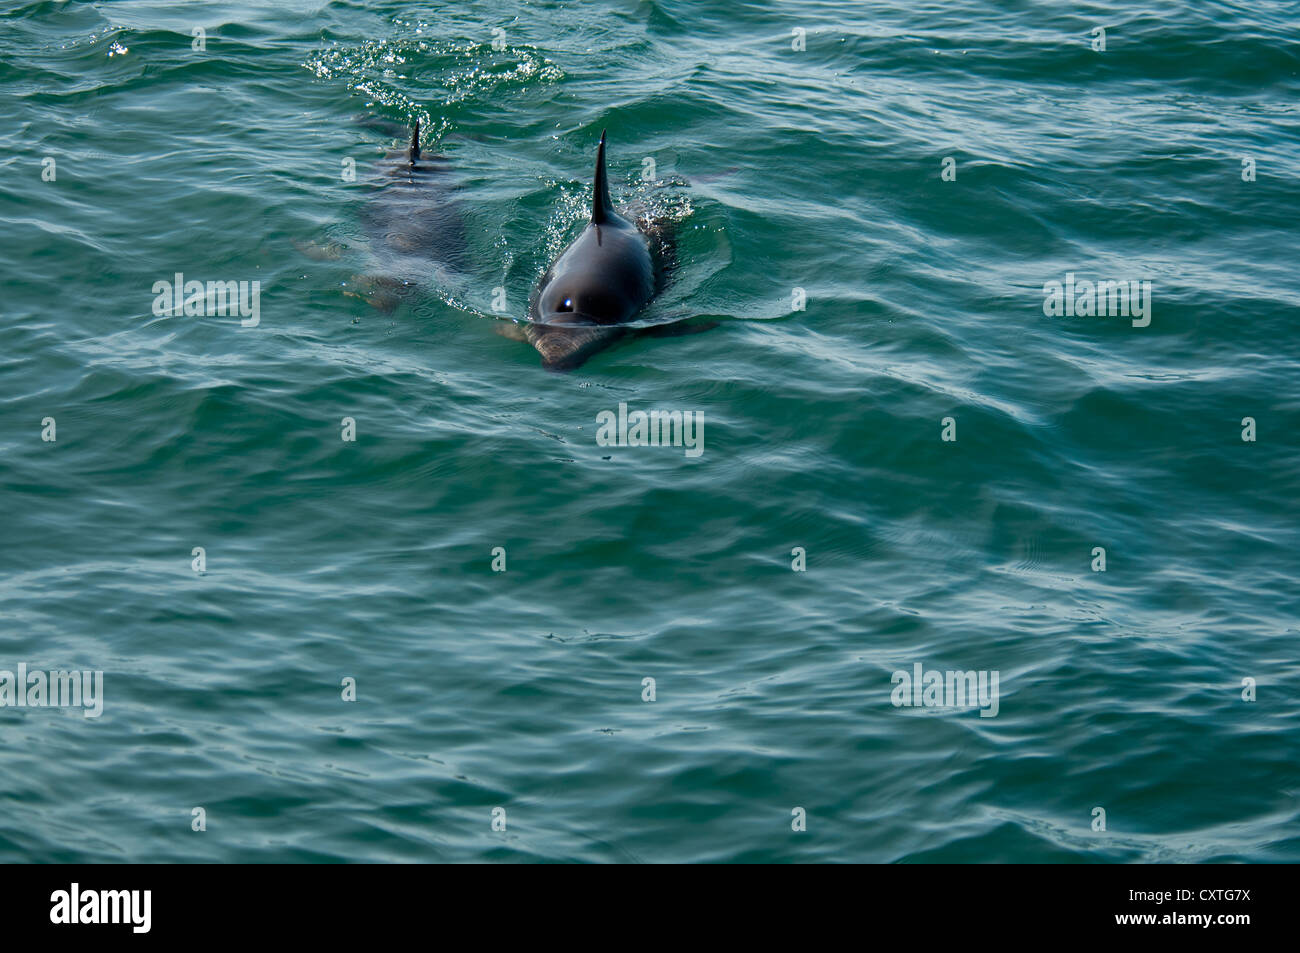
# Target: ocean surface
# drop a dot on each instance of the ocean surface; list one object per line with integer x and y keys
{"x": 906, "y": 459}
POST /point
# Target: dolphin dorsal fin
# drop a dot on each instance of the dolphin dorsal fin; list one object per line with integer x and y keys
{"x": 601, "y": 207}
{"x": 413, "y": 154}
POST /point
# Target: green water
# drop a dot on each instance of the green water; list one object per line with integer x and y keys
{"x": 819, "y": 169}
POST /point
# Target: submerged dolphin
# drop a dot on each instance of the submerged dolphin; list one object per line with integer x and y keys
{"x": 414, "y": 221}
{"x": 416, "y": 218}
{"x": 596, "y": 285}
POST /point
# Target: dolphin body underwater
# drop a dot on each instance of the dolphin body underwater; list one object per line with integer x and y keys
{"x": 584, "y": 301}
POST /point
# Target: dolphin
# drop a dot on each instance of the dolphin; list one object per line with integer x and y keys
{"x": 415, "y": 222}
{"x": 596, "y": 285}
{"x": 416, "y": 218}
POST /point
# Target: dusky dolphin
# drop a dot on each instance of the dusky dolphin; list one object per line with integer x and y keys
{"x": 595, "y": 286}
{"x": 413, "y": 219}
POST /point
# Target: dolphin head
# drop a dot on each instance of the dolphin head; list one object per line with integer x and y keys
{"x": 587, "y": 296}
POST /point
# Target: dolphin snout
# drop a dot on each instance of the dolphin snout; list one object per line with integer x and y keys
{"x": 564, "y": 348}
